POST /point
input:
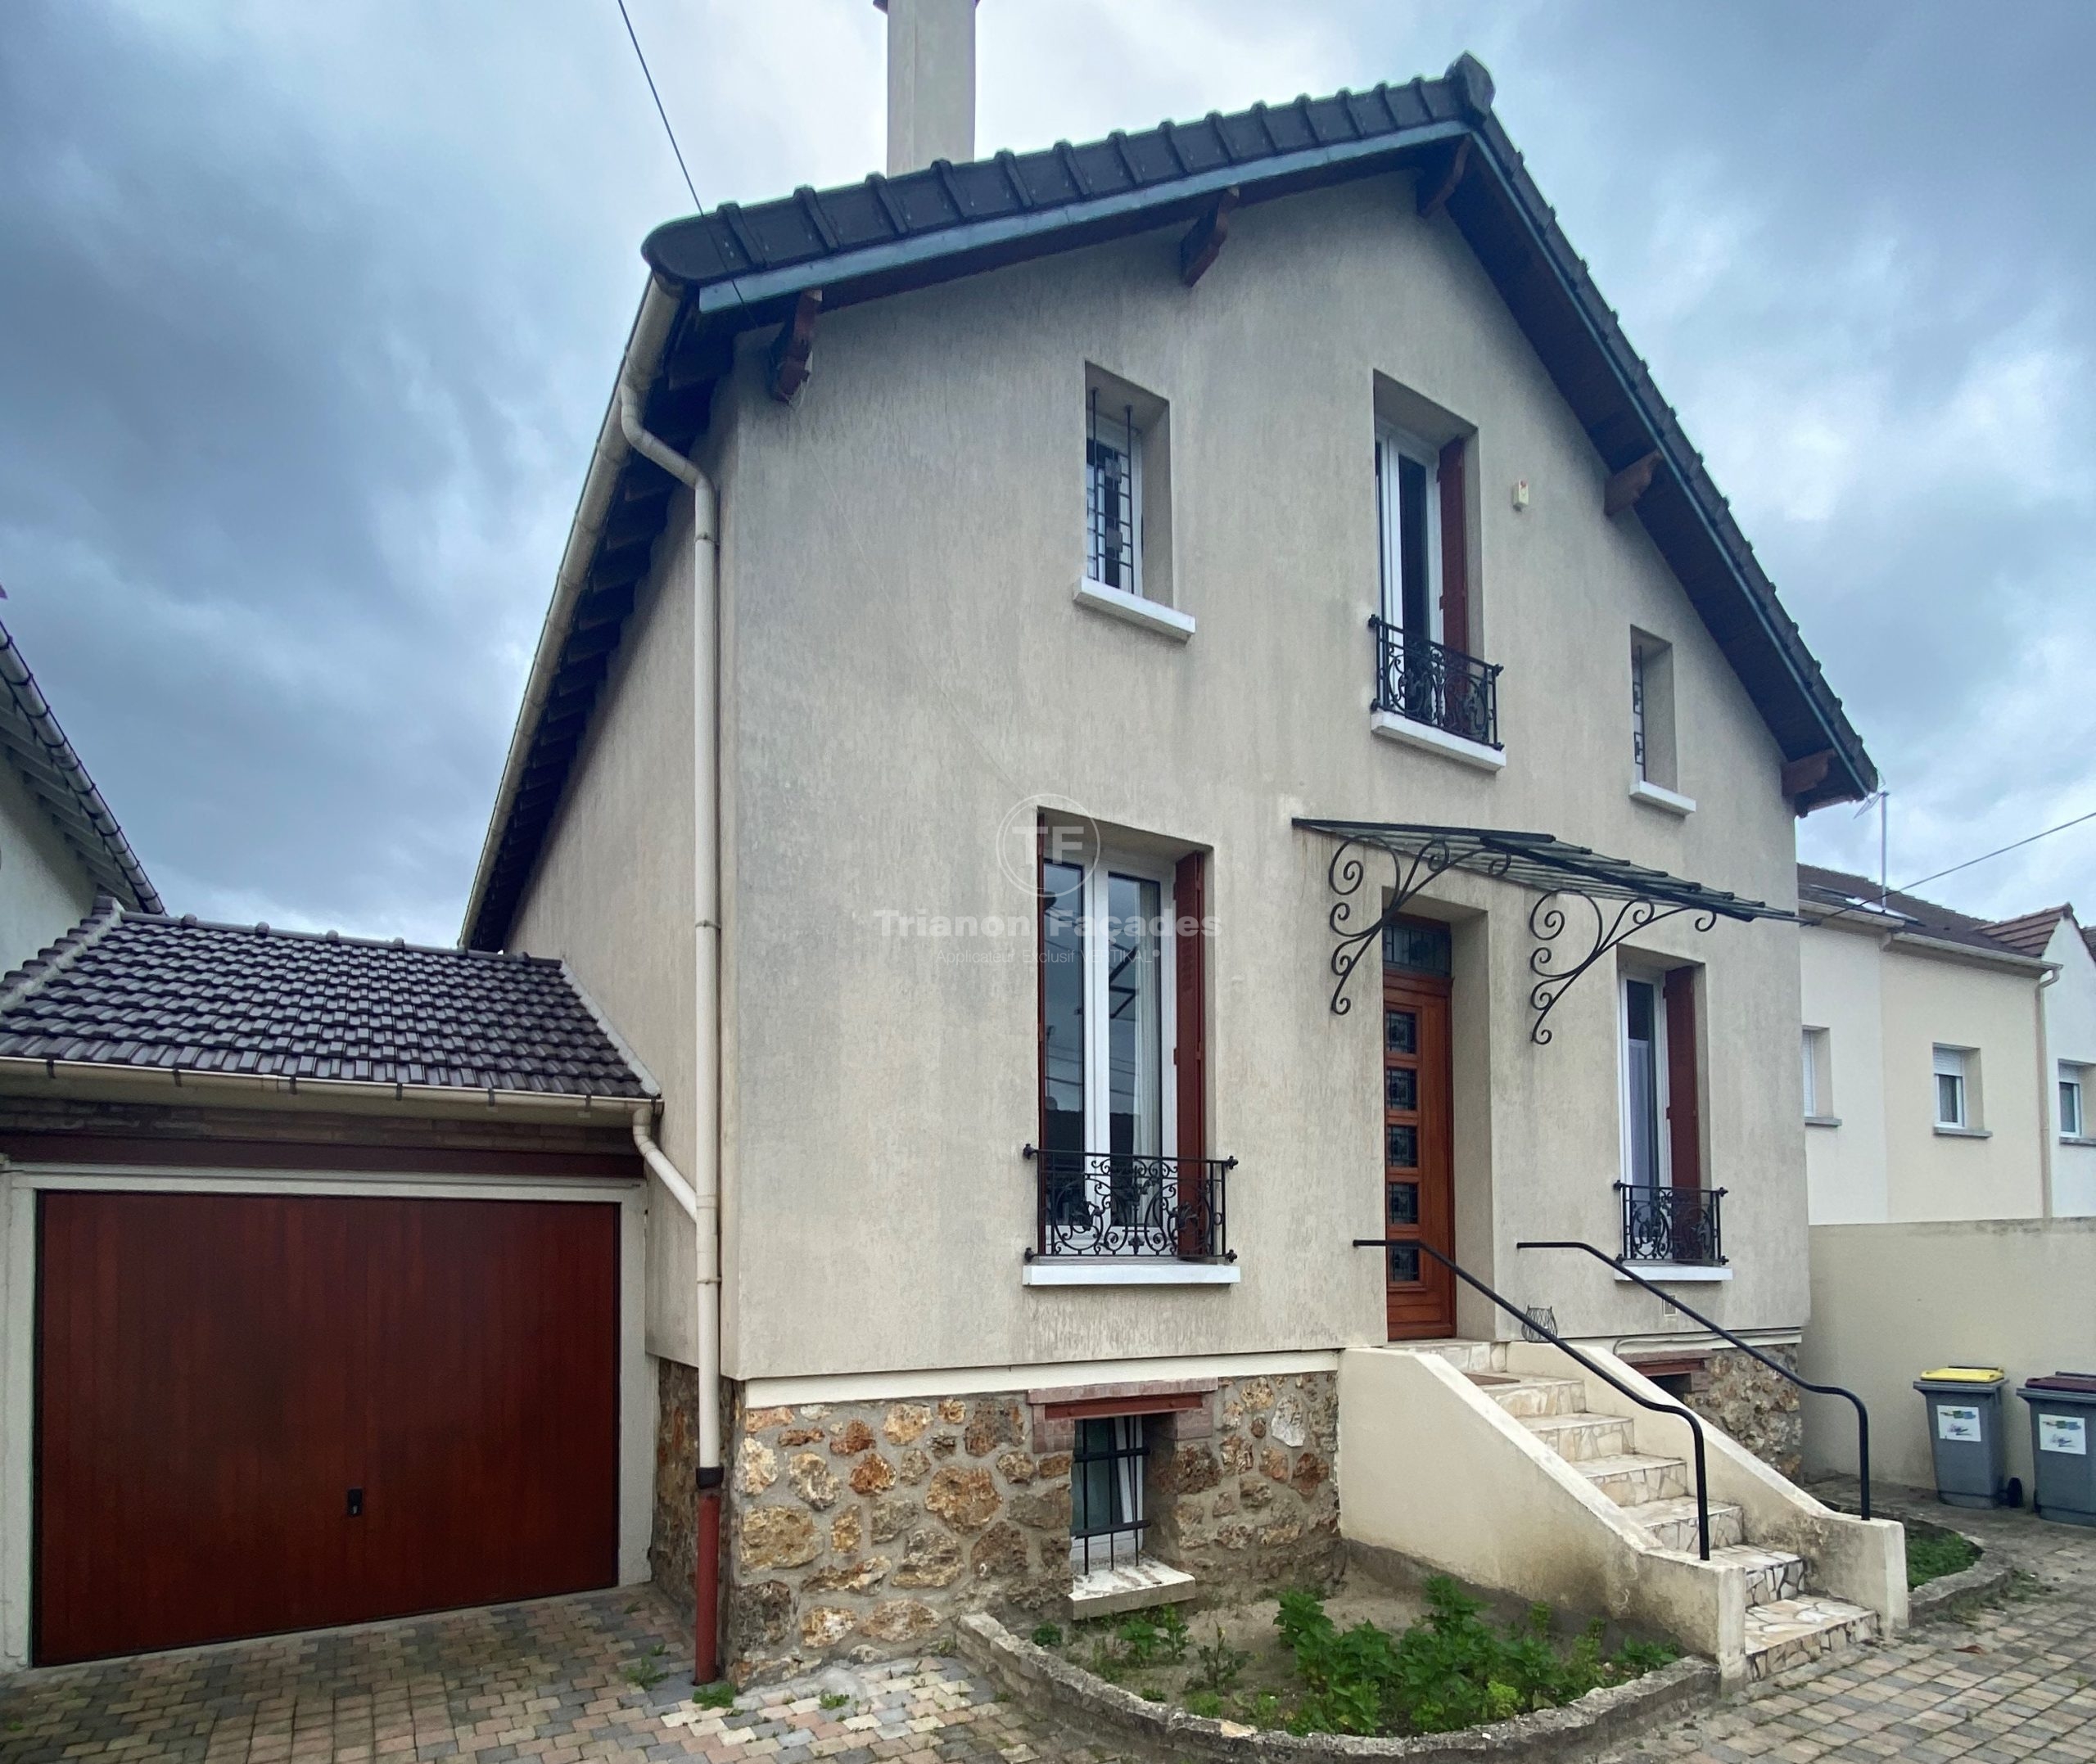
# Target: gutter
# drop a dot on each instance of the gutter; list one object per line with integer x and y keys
{"x": 643, "y": 354}
{"x": 18, "y": 1073}
{"x": 1923, "y": 944}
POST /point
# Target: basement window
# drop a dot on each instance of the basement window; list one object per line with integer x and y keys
{"x": 1106, "y": 1492}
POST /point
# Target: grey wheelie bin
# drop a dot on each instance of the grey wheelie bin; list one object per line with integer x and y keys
{"x": 2062, "y": 1419}
{"x": 1965, "y": 1433}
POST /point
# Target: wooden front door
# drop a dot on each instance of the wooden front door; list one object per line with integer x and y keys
{"x": 260, "y": 1412}
{"x": 1418, "y": 1192}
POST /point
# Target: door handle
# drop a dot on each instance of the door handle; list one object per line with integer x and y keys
{"x": 356, "y": 1503}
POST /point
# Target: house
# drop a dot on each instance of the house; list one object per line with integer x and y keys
{"x": 2066, "y": 1054}
{"x": 1159, "y": 743}
{"x": 320, "y": 1286}
{"x": 1941, "y": 1064}
{"x": 60, "y": 845}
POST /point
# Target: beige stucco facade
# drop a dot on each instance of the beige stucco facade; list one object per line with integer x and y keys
{"x": 2070, "y": 1053}
{"x": 904, "y": 667}
{"x": 1887, "y": 1002}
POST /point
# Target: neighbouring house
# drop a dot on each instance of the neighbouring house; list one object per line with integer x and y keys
{"x": 1155, "y": 742}
{"x": 1941, "y": 1063}
{"x": 2067, "y": 1052}
{"x": 60, "y": 845}
{"x": 320, "y": 1286}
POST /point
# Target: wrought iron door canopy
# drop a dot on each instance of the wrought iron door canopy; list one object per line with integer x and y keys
{"x": 1551, "y": 867}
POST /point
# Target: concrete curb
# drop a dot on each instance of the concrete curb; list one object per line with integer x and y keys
{"x": 1949, "y": 1594}
{"x": 1046, "y": 1681}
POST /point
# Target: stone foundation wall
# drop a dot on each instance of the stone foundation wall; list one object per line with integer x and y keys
{"x": 1759, "y": 1410}
{"x": 673, "y": 1545}
{"x": 863, "y": 1529}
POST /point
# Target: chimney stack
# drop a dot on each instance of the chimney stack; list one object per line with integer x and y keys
{"x": 930, "y": 82}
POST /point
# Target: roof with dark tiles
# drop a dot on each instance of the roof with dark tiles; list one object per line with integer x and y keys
{"x": 742, "y": 268}
{"x": 1862, "y": 900}
{"x": 139, "y": 990}
{"x": 2031, "y": 934}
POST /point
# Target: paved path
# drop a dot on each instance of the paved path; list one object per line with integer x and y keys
{"x": 600, "y": 1677}
{"x": 2016, "y": 1679}
{"x": 605, "y": 1676}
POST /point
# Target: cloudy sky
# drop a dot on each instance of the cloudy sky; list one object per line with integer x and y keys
{"x": 308, "y": 313}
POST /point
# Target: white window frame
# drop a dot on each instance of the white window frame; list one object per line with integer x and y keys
{"x": 2073, "y": 1076}
{"x": 1127, "y": 439}
{"x": 1816, "y": 1048}
{"x": 1953, "y": 1062}
{"x": 1392, "y": 440}
{"x": 1663, "y": 1160}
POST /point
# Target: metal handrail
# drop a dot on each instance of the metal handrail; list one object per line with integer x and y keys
{"x": 1863, "y": 1414}
{"x": 1615, "y": 1384}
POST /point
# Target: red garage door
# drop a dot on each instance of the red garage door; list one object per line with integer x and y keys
{"x": 258, "y": 1412}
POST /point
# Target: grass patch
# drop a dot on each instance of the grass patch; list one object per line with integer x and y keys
{"x": 720, "y": 1694}
{"x": 832, "y": 1700}
{"x": 1450, "y": 1668}
{"x": 1933, "y": 1555}
{"x": 646, "y": 1674}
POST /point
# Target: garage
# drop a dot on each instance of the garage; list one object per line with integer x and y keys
{"x": 322, "y": 1287}
{"x": 258, "y": 1413}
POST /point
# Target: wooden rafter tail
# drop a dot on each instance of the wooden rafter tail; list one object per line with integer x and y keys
{"x": 1627, "y": 485}
{"x": 1204, "y": 240}
{"x": 1800, "y": 777}
{"x": 796, "y": 344}
{"x": 1437, "y": 184}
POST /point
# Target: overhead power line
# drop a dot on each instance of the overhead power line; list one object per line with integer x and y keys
{"x": 2016, "y": 845}
{"x": 641, "y": 56}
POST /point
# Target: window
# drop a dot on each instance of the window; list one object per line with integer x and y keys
{"x": 1122, "y": 1077}
{"x": 1127, "y": 480}
{"x": 1951, "y": 1073}
{"x": 1652, "y": 711}
{"x": 1818, "y": 1076}
{"x": 2072, "y": 1121}
{"x": 1644, "y": 1077}
{"x": 1106, "y": 1491}
{"x": 1114, "y": 497}
{"x": 1407, "y": 483}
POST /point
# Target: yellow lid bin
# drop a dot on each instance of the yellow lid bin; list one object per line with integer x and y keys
{"x": 1967, "y": 1375}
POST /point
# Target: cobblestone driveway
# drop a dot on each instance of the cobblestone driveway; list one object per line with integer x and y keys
{"x": 570, "y": 1679}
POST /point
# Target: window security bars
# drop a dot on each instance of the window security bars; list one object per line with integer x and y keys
{"x": 1106, "y": 1492}
{"x": 1110, "y": 496}
{"x": 1677, "y": 1225}
{"x": 1426, "y": 682}
{"x": 1117, "y": 1203}
{"x": 1637, "y": 706}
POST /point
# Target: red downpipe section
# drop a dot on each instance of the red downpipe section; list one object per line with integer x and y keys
{"x": 706, "y": 1666}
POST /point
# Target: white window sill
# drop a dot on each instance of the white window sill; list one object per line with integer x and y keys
{"x": 1822, "y": 1120}
{"x": 1126, "y": 1271}
{"x": 1424, "y": 735}
{"x": 1675, "y": 1274}
{"x": 2076, "y": 1139}
{"x": 1151, "y": 614}
{"x": 1945, "y": 1131}
{"x": 1658, "y": 797}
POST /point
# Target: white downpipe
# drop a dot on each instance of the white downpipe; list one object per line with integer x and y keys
{"x": 700, "y": 1198}
{"x": 657, "y": 1160}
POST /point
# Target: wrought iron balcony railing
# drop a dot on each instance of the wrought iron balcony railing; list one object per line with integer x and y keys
{"x": 1677, "y": 1225}
{"x": 1426, "y": 682}
{"x": 1115, "y": 1204}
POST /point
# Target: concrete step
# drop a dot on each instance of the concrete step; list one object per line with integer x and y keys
{"x": 1578, "y": 1436}
{"x": 1524, "y": 1398}
{"x": 1635, "y": 1478}
{"x": 1786, "y": 1633}
{"x": 1772, "y": 1575}
{"x": 1671, "y": 1524}
{"x": 1464, "y": 1356}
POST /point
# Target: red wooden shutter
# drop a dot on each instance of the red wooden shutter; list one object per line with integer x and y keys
{"x": 1455, "y": 551}
{"x": 1684, "y": 1105}
{"x": 1190, "y": 952}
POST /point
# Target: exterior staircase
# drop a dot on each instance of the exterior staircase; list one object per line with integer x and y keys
{"x": 1507, "y": 1465}
{"x": 1786, "y": 1623}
